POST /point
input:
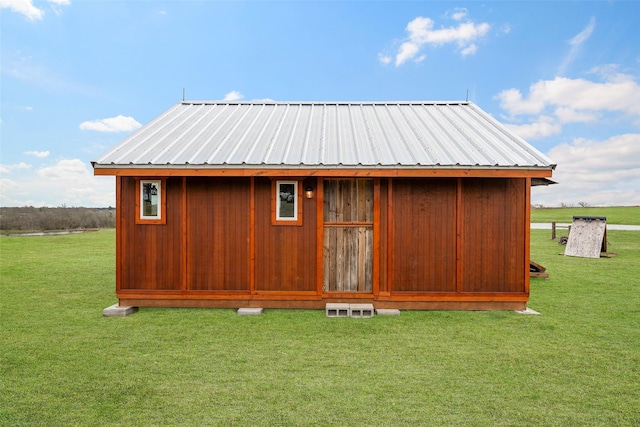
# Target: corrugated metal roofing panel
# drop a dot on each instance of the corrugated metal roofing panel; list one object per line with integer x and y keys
{"x": 351, "y": 135}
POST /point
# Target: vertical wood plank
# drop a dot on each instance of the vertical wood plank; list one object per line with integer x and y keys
{"x": 338, "y": 250}
{"x": 362, "y": 200}
{"x": 352, "y": 253}
{"x": 390, "y": 241}
{"x": 120, "y": 234}
{"x": 319, "y": 235}
{"x": 459, "y": 236}
{"x": 369, "y": 260}
{"x": 325, "y": 261}
{"x": 184, "y": 262}
{"x": 527, "y": 234}
{"x": 375, "y": 279}
{"x": 339, "y": 205}
{"x": 252, "y": 234}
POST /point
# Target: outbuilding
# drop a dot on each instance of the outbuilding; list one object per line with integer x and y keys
{"x": 410, "y": 205}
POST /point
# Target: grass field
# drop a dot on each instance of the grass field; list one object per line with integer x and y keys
{"x": 62, "y": 363}
{"x": 628, "y": 215}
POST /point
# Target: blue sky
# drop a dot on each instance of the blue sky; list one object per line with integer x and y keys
{"x": 76, "y": 77}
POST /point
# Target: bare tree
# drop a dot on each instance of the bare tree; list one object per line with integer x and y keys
{"x": 62, "y": 218}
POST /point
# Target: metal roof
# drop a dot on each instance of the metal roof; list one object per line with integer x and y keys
{"x": 217, "y": 134}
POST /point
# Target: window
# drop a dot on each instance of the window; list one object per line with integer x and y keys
{"x": 288, "y": 209}
{"x": 151, "y": 205}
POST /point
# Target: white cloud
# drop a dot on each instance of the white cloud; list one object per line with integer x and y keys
{"x": 64, "y": 169}
{"x": 15, "y": 166}
{"x": 584, "y": 35}
{"x": 469, "y": 50}
{"x": 512, "y": 101}
{"x": 421, "y": 32}
{"x": 28, "y": 10}
{"x": 113, "y": 124}
{"x": 595, "y": 172}
{"x": 234, "y": 95}
{"x": 576, "y": 43}
{"x": 544, "y": 126}
{"x": 570, "y": 115}
{"x": 563, "y": 100}
{"x": 68, "y": 181}
{"x": 385, "y": 59}
{"x": 459, "y": 13}
{"x": 407, "y": 51}
{"x": 40, "y": 154}
{"x": 606, "y": 71}
{"x": 7, "y": 184}
{"x": 619, "y": 93}
{"x": 23, "y": 7}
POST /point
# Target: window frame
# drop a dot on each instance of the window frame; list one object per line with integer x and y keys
{"x": 161, "y": 218}
{"x": 276, "y": 219}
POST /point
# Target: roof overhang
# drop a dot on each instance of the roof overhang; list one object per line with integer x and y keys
{"x": 541, "y": 181}
{"x": 539, "y": 174}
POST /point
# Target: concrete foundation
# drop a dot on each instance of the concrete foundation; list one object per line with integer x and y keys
{"x": 250, "y": 311}
{"x": 528, "y": 311}
{"x": 388, "y": 312}
{"x": 337, "y": 310}
{"x": 361, "y": 310}
{"x": 117, "y": 310}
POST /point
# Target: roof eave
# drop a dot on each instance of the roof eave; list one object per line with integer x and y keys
{"x": 324, "y": 166}
{"x": 324, "y": 170}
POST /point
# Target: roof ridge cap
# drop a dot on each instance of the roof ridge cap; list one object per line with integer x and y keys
{"x": 272, "y": 102}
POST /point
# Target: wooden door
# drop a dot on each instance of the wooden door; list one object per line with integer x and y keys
{"x": 348, "y": 235}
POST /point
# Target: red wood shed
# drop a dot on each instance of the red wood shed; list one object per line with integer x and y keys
{"x": 411, "y": 205}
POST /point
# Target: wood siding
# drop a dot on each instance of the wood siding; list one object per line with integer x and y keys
{"x": 424, "y": 235}
{"x": 348, "y": 201}
{"x": 151, "y": 253}
{"x": 285, "y": 255}
{"x": 218, "y": 233}
{"x": 493, "y": 235}
{"x": 348, "y": 235}
{"x": 383, "y": 252}
{"x": 406, "y": 242}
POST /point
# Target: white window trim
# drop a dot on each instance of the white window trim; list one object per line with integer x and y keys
{"x": 157, "y": 182}
{"x": 295, "y": 201}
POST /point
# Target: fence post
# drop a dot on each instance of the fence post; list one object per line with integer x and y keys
{"x": 553, "y": 230}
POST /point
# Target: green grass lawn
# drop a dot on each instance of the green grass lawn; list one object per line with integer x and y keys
{"x": 628, "y": 215}
{"x": 62, "y": 363}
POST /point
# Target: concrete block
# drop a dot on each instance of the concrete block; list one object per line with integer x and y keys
{"x": 528, "y": 311}
{"x": 337, "y": 310}
{"x": 250, "y": 311}
{"x": 118, "y": 311}
{"x": 387, "y": 312}
{"x": 361, "y": 310}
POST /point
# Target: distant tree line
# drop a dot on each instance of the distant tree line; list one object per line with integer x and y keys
{"x": 62, "y": 218}
{"x": 562, "y": 205}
